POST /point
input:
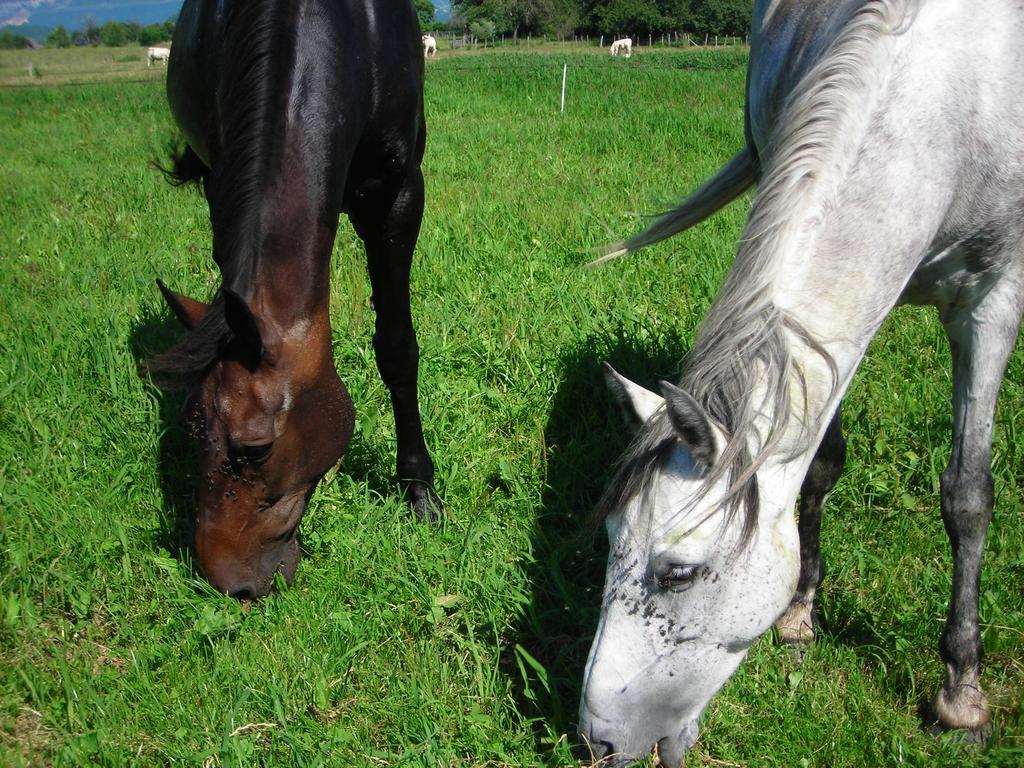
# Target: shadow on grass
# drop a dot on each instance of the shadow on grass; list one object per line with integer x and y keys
{"x": 154, "y": 332}
{"x": 584, "y": 435}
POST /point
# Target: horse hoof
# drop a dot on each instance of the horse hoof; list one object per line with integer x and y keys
{"x": 796, "y": 625}
{"x": 424, "y": 502}
{"x": 964, "y": 713}
{"x": 968, "y": 737}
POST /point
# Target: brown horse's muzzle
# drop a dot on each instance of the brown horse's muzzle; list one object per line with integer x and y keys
{"x": 242, "y": 560}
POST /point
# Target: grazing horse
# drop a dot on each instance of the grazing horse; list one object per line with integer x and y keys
{"x": 623, "y": 46}
{"x": 888, "y": 152}
{"x": 429, "y": 46}
{"x": 292, "y": 113}
{"x": 157, "y": 54}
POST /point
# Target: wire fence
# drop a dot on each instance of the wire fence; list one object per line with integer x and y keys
{"x": 461, "y": 40}
{"x": 34, "y": 76}
{"x": 58, "y": 81}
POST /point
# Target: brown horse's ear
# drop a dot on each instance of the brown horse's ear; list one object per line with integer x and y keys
{"x": 248, "y": 340}
{"x": 188, "y": 311}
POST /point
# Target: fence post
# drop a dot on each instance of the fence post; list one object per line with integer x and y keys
{"x": 565, "y": 71}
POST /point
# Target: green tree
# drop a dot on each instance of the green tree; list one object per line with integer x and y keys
{"x": 425, "y": 12}
{"x": 627, "y": 16}
{"x": 12, "y": 40}
{"x": 716, "y": 17}
{"x": 515, "y": 16}
{"x": 722, "y": 17}
{"x": 153, "y": 34}
{"x": 58, "y": 37}
{"x": 115, "y": 33}
{"x": 677, "y": 14}
{"x": 482, "y": 29}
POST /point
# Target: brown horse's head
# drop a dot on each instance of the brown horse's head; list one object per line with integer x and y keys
{"x": 271, "y": 417}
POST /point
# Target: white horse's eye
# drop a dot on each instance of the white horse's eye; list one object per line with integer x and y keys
{"x": 677, "y": 576}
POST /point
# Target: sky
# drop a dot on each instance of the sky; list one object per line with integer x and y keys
{"x": 73, "y": 13}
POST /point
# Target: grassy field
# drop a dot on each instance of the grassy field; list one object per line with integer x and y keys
{"x": 71, "y": 66}
{"x": 462, "y": 644}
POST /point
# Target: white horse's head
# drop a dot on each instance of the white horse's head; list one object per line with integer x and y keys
{"x": 689, "y": 586}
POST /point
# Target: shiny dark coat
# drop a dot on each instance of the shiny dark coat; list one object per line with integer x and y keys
{"x": 293, "y": 111}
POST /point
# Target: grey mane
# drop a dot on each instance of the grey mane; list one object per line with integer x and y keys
{"x": 746, "y": 340}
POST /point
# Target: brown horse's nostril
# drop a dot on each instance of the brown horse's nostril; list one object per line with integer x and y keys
{"x": 243, "y": 594}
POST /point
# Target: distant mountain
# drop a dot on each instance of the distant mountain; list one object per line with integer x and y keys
{"x": 44, "y": 15}
{"x": 73, "y": 13}
{"x": 36, "y": 32}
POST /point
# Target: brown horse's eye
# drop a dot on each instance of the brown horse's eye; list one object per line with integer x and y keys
{"x": 254, "y": 454}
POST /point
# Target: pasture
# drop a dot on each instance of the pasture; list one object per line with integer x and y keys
{"x": 464, "y": 643}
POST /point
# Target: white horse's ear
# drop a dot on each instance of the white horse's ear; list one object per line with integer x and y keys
{"x": 691, "y": 423}
{"x": 637, "y": 403}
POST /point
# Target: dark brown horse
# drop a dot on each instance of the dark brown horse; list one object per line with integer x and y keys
{"x": 293, "y": 111}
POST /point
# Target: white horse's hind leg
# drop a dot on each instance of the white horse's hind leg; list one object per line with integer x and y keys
{"x": 797, "y": 624}
{"x": 982, "y": 336}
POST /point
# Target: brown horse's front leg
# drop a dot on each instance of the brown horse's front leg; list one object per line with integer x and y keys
{"x": 389, "y": 230}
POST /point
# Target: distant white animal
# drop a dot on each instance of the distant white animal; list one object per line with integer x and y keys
{"x": 158, "y": 54}
{"x": 623, "y": 46}
{"x": 429, "y": 46}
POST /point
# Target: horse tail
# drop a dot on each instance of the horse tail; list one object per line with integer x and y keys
{"x": 734, "y": 178}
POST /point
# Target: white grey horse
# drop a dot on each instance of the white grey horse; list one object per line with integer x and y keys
{"x": 163, "y": 55}
{"x": 429, "y": 46}
{"x": 886, "y": 138}
{"x": 623, "y": 46}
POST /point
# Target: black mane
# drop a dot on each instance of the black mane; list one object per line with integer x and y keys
{"x": 200, "y": 348}
{"x": 240, "y": 156}
{"x": 257, "y": 35}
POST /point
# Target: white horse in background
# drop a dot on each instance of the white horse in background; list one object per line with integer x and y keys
{"x": 157, "y": 54}
{"x": 429, "y": 46}
{"x": 888, "y": 149}
{"x": 623, "y": 46}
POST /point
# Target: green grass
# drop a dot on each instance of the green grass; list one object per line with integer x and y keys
{"x": 464, "y": 644}
{"x": 73, "y": 66}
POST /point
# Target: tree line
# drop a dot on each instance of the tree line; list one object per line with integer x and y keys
{"x": 483, "y": 18}
{"x": 601, "y": 17}
{"x": 111, "y": 33}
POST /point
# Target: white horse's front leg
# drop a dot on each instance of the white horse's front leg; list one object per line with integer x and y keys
{"x": 797, "y": 624}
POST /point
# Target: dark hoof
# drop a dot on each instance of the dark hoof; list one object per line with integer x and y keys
{"x": 424, "y": 501}
{"x": 960, "y": 715}
{"x": 968, "y": 737}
